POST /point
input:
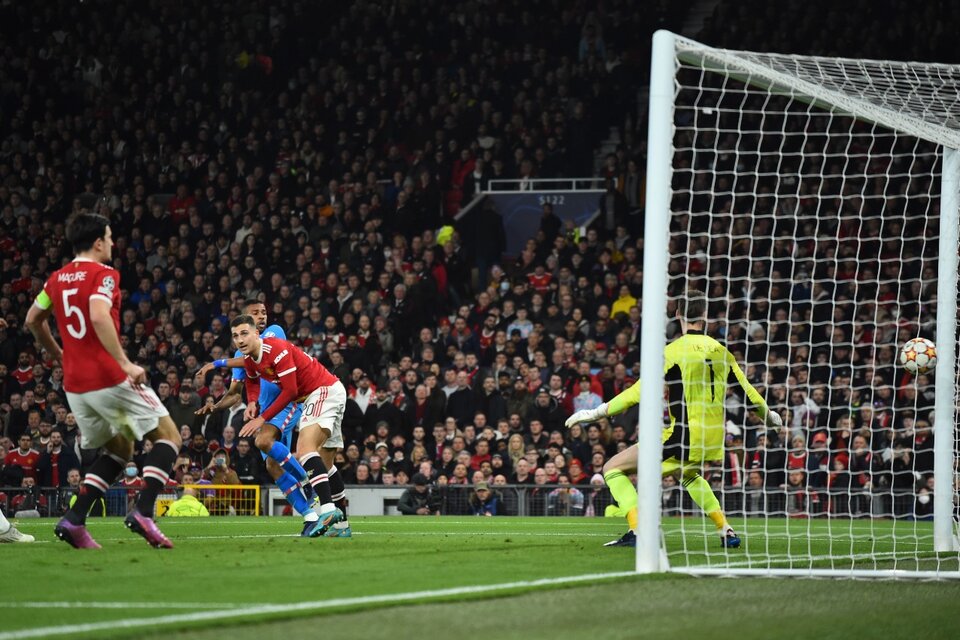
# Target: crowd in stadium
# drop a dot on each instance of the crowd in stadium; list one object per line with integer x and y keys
{"x": 308, "y": 159}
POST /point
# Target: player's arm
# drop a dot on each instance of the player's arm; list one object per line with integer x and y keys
{"x": 36, "y": 321}
{"x": 230, "y": 398}
{"x": 770, "y": 418}
{"x": 233, "y": 363}
{"x": 621, "y": 402}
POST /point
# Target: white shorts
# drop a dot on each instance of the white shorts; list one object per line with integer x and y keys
{"x": 324, "y": 407}
{"x": 119, "y": 410}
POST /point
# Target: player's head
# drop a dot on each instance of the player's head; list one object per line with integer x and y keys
{"x": 90, "y": 233}
{"x": 692, "y": 308}
{"x": 245, "y": 334}
{"x": 256, "y": 310}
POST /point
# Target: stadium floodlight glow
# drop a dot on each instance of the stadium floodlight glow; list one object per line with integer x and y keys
{"x": 816, "y": 202}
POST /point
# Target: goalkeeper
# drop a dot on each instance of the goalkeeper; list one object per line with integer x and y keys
{"x": 696, "y": 373}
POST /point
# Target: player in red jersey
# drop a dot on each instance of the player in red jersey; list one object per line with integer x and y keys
{"x": 105, "y": 389}
{"x": 304, "y": 380}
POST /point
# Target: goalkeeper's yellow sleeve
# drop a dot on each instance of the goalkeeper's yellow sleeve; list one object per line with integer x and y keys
{"x": 624, "y": 400}
{"x": 752, "y": 394}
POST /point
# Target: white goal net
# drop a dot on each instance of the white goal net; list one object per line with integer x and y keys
{"x": 814, "y": 202}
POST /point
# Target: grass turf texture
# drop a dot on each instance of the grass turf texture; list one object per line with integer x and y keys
{"x": 232, "y": 564}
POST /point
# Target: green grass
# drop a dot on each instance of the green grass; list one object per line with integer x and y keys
{"x": 229, "y": 565}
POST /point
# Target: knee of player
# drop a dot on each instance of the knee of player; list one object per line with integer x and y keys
{"x": 264, "y": 441}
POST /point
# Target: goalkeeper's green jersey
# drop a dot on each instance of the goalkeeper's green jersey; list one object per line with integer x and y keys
{"x": 696, "y": 370}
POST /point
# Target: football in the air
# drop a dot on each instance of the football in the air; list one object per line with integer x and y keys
{"x": 918, "y": 355}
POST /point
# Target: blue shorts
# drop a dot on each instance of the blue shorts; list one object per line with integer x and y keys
{"x": 285, "y": 422}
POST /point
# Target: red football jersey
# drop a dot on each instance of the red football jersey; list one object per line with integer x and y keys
{"x": 86, "y": 364}
{"x": 297, "y": 374}
{"x": 27, "y": 462}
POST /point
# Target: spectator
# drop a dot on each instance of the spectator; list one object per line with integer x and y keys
{"x": 419, "y": 499}
{"x": 132, "y": 482}
{"x": 484, "y": 502}
{"x": 248, "y": 464}
{"x": 55, "y": 461}
{"x": 21, "y": 462}
{"x": 565, "y": 500}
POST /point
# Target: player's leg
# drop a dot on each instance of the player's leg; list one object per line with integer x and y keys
{"x": 307, "y": 445}
{"x": 9, "y": 533}
{"x": 274, "y": 441}
{"x": 616, "y": 473}
{"x": 701, "y": 493}
{"x": 156, "y": 474}
{"x": 96, "y": 433}
{"x": 332, "y": 441}
{"x": 267, "y": 437}
{"x": 338, "y": 492}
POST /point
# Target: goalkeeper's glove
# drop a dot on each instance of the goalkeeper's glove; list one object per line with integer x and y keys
{"x": 587, "y": 415}
{"x": 773, "y": 419}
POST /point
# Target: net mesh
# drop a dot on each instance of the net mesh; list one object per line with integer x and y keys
{"x": 814, "y": 235}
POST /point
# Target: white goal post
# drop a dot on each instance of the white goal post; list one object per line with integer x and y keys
{"x": 816, "y": 202}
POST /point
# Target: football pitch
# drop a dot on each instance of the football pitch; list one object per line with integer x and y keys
{"x": 242, "y": 578}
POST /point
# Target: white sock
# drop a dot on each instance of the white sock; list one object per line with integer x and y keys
{"x": 327, "y": 507}
{"x": 311, "y": 517}
{"x": 4, "y": 524}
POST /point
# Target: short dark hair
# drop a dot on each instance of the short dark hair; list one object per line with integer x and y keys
{"x": 86, "y": 228}
{"x": 250, "y": 301}
{"x": 693, "y": 306}
{"x": 242, "y": 319}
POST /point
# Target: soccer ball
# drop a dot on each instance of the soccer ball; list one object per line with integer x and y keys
{"x": 918, "y": 356}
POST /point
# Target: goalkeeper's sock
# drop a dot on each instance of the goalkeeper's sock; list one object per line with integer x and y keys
{"x": 282, "y": 456}
{"x": 156, "y": 474}
{"x": 318, "y": 478}
{"x": 623, "y": 492}
{"x": 291, "y": 491}
{"x": 101, "y": 475}
{"x": 699, "y": 489}
{"x": 338, "y": 492}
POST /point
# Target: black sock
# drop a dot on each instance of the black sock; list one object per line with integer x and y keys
{"x": 317, "y": 476}
{"x": 156, "y": 473}
{"x": 338, "y": 490}
{"x": 104, "y": 472}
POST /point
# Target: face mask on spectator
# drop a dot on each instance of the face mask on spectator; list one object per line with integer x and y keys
{"x": 131, "y": 472}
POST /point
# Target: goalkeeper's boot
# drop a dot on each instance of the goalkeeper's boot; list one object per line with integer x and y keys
{"x": 729, "y": 539}
{"x": 12, "y": 534}
{"x": 326, "y": 520}
{"x": 146, "y": 527}
{"x": 629, "y": 539}
{"x": 339, "y": 530}
{"x": 76, "y": 535}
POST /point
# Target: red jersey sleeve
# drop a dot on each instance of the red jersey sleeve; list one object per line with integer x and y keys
{"x": 104, "y": 286}
{"x": 286, "y": 372}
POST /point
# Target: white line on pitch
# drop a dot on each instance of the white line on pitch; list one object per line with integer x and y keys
{"x": 369, "y": 533}
{"x": 116, "y": 605}
{"x": 317, "y": 605}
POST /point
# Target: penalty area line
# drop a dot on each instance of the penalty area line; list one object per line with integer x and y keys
{"x": 317, "y": 605}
